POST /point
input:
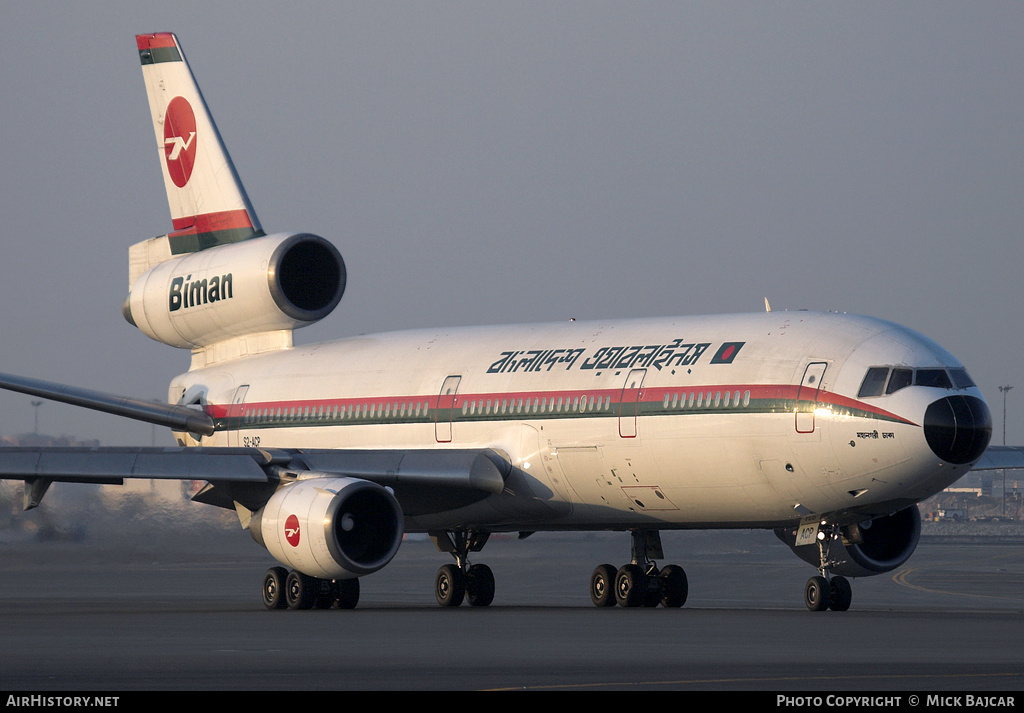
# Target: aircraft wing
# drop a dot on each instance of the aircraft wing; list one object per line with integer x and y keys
{"x": 41, "y": 466}
{"x": 422, "y": 481}
{"x": 1000, "y": 458}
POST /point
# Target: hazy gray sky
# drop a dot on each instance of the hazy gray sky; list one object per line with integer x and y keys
{"x": 481, "y": 162}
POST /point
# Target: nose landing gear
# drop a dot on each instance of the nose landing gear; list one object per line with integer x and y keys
{"x": 827, "y": 591}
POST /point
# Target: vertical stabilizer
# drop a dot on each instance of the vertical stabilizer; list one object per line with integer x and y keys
{"x": 208, "y": 203}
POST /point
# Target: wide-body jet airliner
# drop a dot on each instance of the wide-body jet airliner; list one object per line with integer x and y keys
{"x": 826, "y": 428}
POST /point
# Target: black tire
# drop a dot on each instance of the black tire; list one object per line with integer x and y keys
{"x": 630, "y": 586}
{"x": 674, "y": 586}
{"x": 602, "y": 586}
{"x": 449, "y": 586}
{"x": 300, "y": 590}
{"x": 273, "y": 588}
{"x": 840, "y": 594}
{"x": 479, "y": 586}
{"x": 652, "y": 587}
{"x": 346, "y": 593}
{"x": 816, "y": 593}
{"x": 325, "y": 594}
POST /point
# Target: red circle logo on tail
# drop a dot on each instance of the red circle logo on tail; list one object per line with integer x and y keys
{"x": 179, "y": 140}
{"x": 291, "y": 530}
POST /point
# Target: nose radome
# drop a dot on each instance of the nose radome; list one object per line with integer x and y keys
{"x": 958, "y": 428}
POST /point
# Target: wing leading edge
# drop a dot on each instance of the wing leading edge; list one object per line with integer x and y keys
{"x": 1001, "y": 458}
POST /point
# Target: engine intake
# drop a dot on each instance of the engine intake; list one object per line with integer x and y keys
{"x": 871, "y": 547}
{"x": 271, "y": 283}
{"x": 307, "y": 277}
{"x": 330, "y": 527}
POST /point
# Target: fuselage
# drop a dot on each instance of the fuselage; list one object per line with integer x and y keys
{"x": 720, "y": 421}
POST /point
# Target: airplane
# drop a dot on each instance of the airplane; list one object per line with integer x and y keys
{"x": 826, "y": 428}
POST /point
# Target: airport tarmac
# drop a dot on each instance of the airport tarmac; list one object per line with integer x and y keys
{"x": 144, "y": 606}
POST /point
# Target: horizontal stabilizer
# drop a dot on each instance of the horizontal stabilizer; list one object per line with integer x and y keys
{"x": 177, "y": 418}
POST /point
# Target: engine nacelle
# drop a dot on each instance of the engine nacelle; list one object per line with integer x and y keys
{"x": 330, "y": 527}
{"x": 871, "y": 547}
{"x": 271, "y": 283}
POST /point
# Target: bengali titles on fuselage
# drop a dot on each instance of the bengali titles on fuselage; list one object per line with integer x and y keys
{"x": 674, "y": 354}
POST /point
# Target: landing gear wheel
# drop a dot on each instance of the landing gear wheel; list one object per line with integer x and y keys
{"x": 630, "y": 586}
{"x": 449, "y": 586}
{"x": 674, "y": 586}
{"x": 324, "y": 598}
{"x": 479, "y": 586}
{"x": 346, "y": 593}
{"x": 652, "y": 589}
{"x": 301, "y": 590}
{"x": 816, "y": 593}
{"x": 840, "y": 594}
{"x": 273, "y": 588}
{"x": 602, "y": 586}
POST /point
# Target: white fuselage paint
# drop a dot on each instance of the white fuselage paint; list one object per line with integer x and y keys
{"x": 774, "y": 432}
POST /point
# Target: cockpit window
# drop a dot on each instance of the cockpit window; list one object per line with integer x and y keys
{"x": 901, "y": 378}
{"x": 961, "y": 379}
{"x": 937, "y": 378}
{"x": 874, "y": 382}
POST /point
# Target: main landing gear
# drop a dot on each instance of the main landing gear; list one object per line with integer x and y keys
{"x": 296, "y": 590}
{"x": 640, "y": 583}
{"x": 463, "y": 581}
{"x": 827, "y": 591}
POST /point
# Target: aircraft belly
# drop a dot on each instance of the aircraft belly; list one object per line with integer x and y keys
{"x": 712, "y": 474}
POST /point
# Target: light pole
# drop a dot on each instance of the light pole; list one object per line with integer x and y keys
{"x": 37, "y": 404}
{"x": 1003, "y": 390}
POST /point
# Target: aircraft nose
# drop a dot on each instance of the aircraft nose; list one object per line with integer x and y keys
{"x": 958, "y": 428}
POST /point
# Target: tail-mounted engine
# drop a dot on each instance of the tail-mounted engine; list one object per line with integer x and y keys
{"x": 266, "y": 284}
{"x": 332, "y": 528}
{"x": 871, "y": 547}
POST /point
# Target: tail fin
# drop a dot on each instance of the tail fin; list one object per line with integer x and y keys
{"x": 208, "y": 203}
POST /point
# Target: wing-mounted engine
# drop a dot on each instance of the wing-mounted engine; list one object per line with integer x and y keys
{"x": 867, "y": 548}
{"x": 264, "y": 285}
{"x": 330, "y": 527}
